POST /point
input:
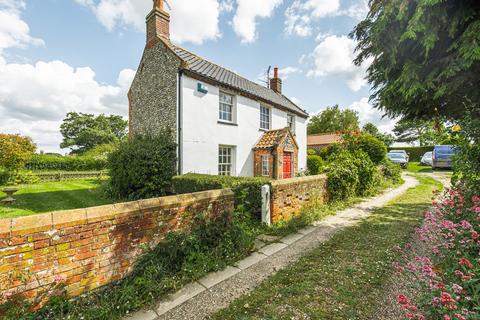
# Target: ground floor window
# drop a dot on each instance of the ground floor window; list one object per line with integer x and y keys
{"x": 225, "y": 160}
{"x": 265, "y": 165}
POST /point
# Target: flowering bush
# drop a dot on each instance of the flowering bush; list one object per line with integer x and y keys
{"x": 449, "y": 274}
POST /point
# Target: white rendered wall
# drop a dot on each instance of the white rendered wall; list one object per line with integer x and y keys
{"x": 202, "y": 134}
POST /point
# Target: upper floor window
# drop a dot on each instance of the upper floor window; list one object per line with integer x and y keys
{"x": 264, "y": 117}
{"x": 226, "y": 109}
{"x": 291, "y": 122}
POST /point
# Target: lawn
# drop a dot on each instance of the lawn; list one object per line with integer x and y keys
{"x": 54, "y": 196}
{"x": 344, "y": 277}
{"x": 417, "y": 168}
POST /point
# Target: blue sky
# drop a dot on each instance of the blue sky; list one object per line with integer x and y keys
{"x": 58, "y": 56}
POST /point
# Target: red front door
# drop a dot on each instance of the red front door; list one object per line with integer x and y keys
{"x": 287, "y": 165}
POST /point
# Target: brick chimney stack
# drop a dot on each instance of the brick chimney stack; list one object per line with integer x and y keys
{"x": 158, "y": 23}
{"x": 276, "y": 82}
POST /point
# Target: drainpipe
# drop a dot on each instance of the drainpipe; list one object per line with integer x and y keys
{"x": 179, "y": 123}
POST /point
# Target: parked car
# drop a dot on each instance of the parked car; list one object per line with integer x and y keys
{"x": 427, "y": 159}
{"x": 398, "y": 158}
{"x": 407, "y": 156}
{"x": 442, "y": 157}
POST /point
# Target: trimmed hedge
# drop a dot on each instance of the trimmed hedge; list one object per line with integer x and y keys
{"x": 416, "y": 153}
{"x": 248, "y": 195}
{"x": 67, "y": 163}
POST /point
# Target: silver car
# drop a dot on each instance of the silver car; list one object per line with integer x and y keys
{"x": 427, "y": 159}
{"x": 398, "y": 158}
{"x": 407, "y": 156}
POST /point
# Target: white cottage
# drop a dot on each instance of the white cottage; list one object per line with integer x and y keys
{"x": 223, "y": 123}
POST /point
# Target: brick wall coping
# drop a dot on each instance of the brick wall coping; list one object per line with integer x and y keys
{"x": 59, "y": 219}
{"x": 290, "y": 181}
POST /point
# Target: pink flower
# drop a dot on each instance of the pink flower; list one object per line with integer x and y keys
{"x": 465, "y": 262}
{"x": 402, "y": 299}
{"x": 446, "y": 317}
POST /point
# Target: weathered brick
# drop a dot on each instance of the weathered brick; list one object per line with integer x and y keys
{"x": 68, "y": 218}
{"x": 31, "y": 224}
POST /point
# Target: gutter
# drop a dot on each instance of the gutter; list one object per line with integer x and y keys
{"x": 179, "y": 124}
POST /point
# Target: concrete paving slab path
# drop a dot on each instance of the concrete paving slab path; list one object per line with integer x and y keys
{"x": 195, "y": 301}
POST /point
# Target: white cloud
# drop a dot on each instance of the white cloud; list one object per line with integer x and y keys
{"x": 191, "y": 21}
{"x": 367, "y": 113}
{"x": 334, "y": 55}
{"x": 245, "y": 19}
{"x": 285, "y": 72}
{"x": 14, "y": 32}
{"x": 300, "y": 15}
{"x": 34, "y": 98}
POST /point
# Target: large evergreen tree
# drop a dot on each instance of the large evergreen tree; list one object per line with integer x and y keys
{"x": 426, "y": 56}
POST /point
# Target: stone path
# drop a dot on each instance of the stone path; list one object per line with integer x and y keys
{"x": 216, "y": 291}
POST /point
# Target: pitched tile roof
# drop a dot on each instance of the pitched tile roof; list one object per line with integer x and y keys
{"x": 226, "y": 77}
{"x": 271, "y": 139}
{"x": 323, "y": 139}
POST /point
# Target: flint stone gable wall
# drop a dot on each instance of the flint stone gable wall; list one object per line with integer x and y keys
{"x": 153, "y": 94}
{"x": 92, "y": 247}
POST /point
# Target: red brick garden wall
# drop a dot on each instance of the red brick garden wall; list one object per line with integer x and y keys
{"x": 289, "y": 196}
{"x": 89, "y": 248}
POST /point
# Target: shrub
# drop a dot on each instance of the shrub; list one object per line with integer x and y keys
{"x": 368, "y": 175}
{"x": 391, "y": 171}
{"x": 314, "y": 164}
{"x": 67, "y": 163}
{"x": 374, "y": 147}
{"x": 247, "y": 190}
{"x": 15, "y": 151}
{"x": 415, "y": 153}
{"x": 17, "y": 177}
{"x": 142, "y": 167}
{"x": 325, "y": 153}
{"x": 311, "y": 152}
{"x": 343, "y": 176}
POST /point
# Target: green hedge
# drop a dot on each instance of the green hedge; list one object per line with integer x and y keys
{"x": 67, "y": 163}
{"x": 416, "y": 153}
{"x": 247, "y": 190}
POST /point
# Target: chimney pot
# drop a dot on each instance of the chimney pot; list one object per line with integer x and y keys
{"x": 276, "y": 82}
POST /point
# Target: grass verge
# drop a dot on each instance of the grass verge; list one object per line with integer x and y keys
{"x": 54, "y": 196}
{"x": 342, "y": 278}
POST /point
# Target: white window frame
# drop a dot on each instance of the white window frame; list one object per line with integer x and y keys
{"x": 265, "y": 165}
{"x": 293, "y": 125}
{"x": 225, "y": 105}
{"x": 264, "y": 125}
{"x": 226, "y": 160}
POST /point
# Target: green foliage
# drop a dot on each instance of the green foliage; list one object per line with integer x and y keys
{"x": 368, "y": 175}
{"x": 67, "y": 163}
{"x": 311, "y": 152}
{"x": 82, "y": 132}
{"x": 325, "y": 153}
{"x": 343, "y": 176}
{"x": 18, "y": 177}
{"x": 391, "y": 171}
{"x": 426, "y": 132}
{"x": 333, "y": 119}
{"x": 425, "y": 56}
{"x": 372, "y": 129}
{"x": 373, "y": 147}
{"x": 101, "y": 151}
{"x": 314, "y": 164}
{"x": 467, "y": 167}
{"x": 210, "y": 245}
{"x": 247, "y": 190}
{"x": 415, "y": 153}
{"x": 15, "y": 151}
{"x": 143, "y": 167}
